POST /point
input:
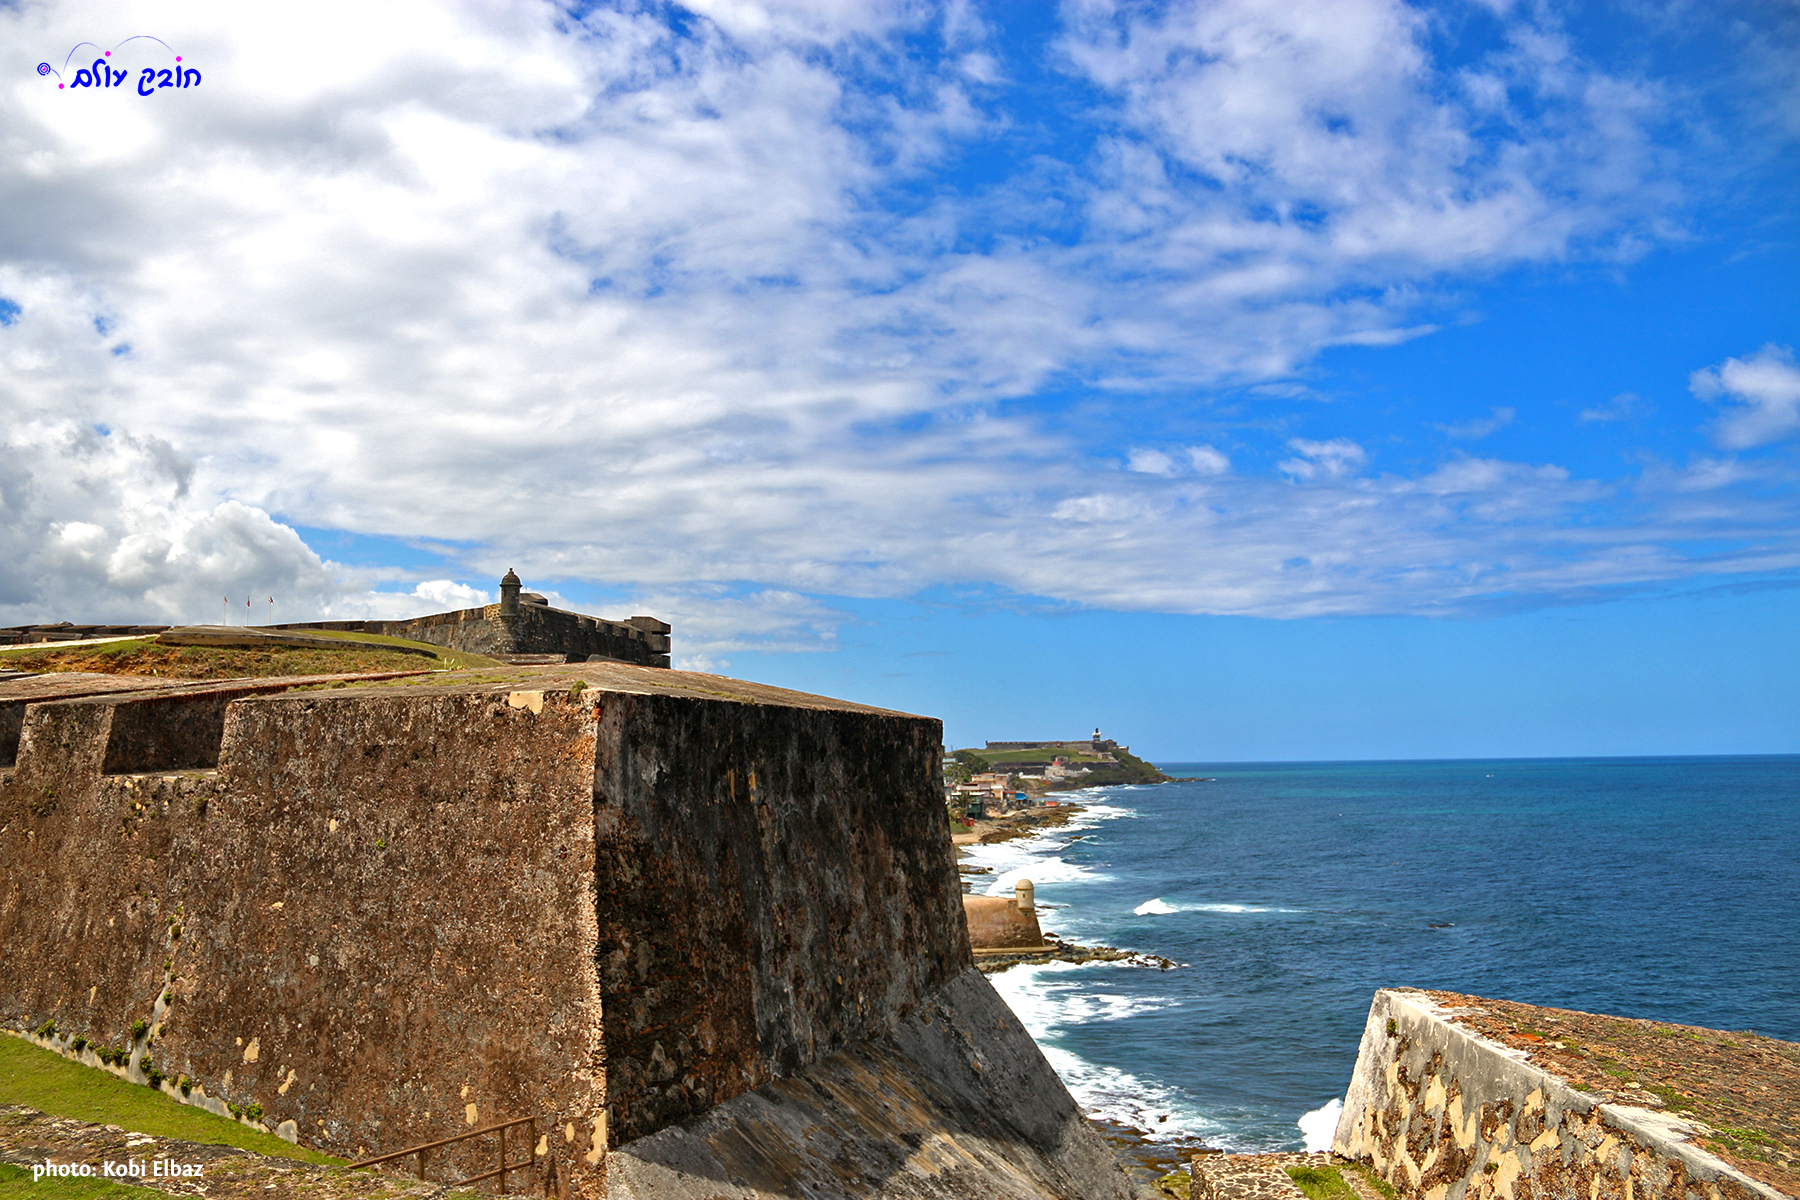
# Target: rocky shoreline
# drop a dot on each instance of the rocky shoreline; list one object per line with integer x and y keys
{"x": 1022, "y": 824}
{"x": 1152, "y": 1165}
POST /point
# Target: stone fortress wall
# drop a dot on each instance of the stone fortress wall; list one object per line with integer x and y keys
{"x": 708, "y": 933}
{"x": 523, "y": 623}
{"x": 1445, "y": 1114}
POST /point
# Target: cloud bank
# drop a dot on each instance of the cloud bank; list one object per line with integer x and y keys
{"x": 743, "y": 304}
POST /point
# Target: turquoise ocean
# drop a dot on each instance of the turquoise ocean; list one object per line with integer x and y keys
{"x": 1666, "y": 888}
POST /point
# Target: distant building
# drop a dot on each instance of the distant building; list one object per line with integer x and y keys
{"x": 1105, "y": 747}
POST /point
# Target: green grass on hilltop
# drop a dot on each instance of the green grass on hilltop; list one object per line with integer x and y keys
{"x": 454, "y": 659}
{"x": 362, "y": 652}
{"x": 50, "y": 1083}
{"x": 1044, "y": 755}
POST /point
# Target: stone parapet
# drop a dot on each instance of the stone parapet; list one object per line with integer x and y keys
{"x": 531, "y": 629}
{"x": 1443, "y": 1113}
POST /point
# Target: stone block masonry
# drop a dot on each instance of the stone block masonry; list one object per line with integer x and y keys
{"x": 617, "y": 898}
{"x": 523, "y": 623}
{"x": 1446, "y": 1114}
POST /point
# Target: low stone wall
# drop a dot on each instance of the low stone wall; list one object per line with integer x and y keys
{"x": 1444, "y": 1114}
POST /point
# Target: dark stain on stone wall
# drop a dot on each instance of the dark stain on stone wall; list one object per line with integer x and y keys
{"x": 808, "y": 890}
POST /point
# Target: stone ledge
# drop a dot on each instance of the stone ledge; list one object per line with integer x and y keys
{"x": 1445, "y": 1113}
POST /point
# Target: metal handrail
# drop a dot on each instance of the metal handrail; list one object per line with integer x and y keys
{"x": 499, "y": 1171}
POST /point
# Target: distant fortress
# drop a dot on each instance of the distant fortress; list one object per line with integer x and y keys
{"x": 1094, "y": 745}
{"x": 521, "y": 626}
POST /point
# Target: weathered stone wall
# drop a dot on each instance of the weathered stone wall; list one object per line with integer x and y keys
{"x": 1445, "y": 1114}
{"x": 534, "y": 629}
{"x": 373, "y": 913}
{"x": 612, "y": 897}
{"x": 772, "y": 888}
{"x": 997, "y": 922}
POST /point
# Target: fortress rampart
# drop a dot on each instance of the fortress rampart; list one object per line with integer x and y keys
{"x": 1444, "y": 1113}
{"x": 522, "y": 623}
{"x": 654, "y": 909}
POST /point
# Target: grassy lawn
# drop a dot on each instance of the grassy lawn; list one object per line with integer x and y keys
{"x": 53, "y": 1084}
{"x": 143, "y": 656}
{"x": 1044, "y": 755}
{"x": 455, "y": 659}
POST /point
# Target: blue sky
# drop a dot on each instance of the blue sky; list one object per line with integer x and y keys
{"x": 1303, "y": 380}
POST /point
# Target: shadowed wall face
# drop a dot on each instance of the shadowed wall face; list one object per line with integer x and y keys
{"x": 166, "y": 734}
{"x": 806, "y": 863}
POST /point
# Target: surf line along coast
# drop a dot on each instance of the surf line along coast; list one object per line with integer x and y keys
{"x": 998, "y": 949}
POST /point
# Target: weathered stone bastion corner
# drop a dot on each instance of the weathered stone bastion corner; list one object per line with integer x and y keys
{"x": 1444, "y": 1113}
{"x": 523, "y": 623}
{"x": 708, "y": 933}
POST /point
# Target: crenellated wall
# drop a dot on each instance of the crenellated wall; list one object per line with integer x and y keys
{"x": 1444, "y": 1114}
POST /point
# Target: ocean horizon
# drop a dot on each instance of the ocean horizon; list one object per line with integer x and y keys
{"x": 1665, "y": 888}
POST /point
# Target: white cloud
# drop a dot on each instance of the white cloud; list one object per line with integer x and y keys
{"x": 447, "y": 594}
{"x": 1196, "y": 460}
{"x": 1324, "y": 460}
{"x": 711, "y": 625}
{"x": 1150, "y": 462}
{"x": 103, "y": 526}
{"x": 1759, "y": 397}
{"x": 605, "y": 300}
{"x": 1479, "y": 427}
{"x": 1626, "y": 406}
{"x": 1208, "y": 461}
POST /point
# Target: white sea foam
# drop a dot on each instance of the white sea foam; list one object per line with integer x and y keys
{"x": 1049, "y": 997}
{"x": 1318, "y": 1126}
{"x": 1037, "y": 857}
{"x": 1160, "y": 907}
